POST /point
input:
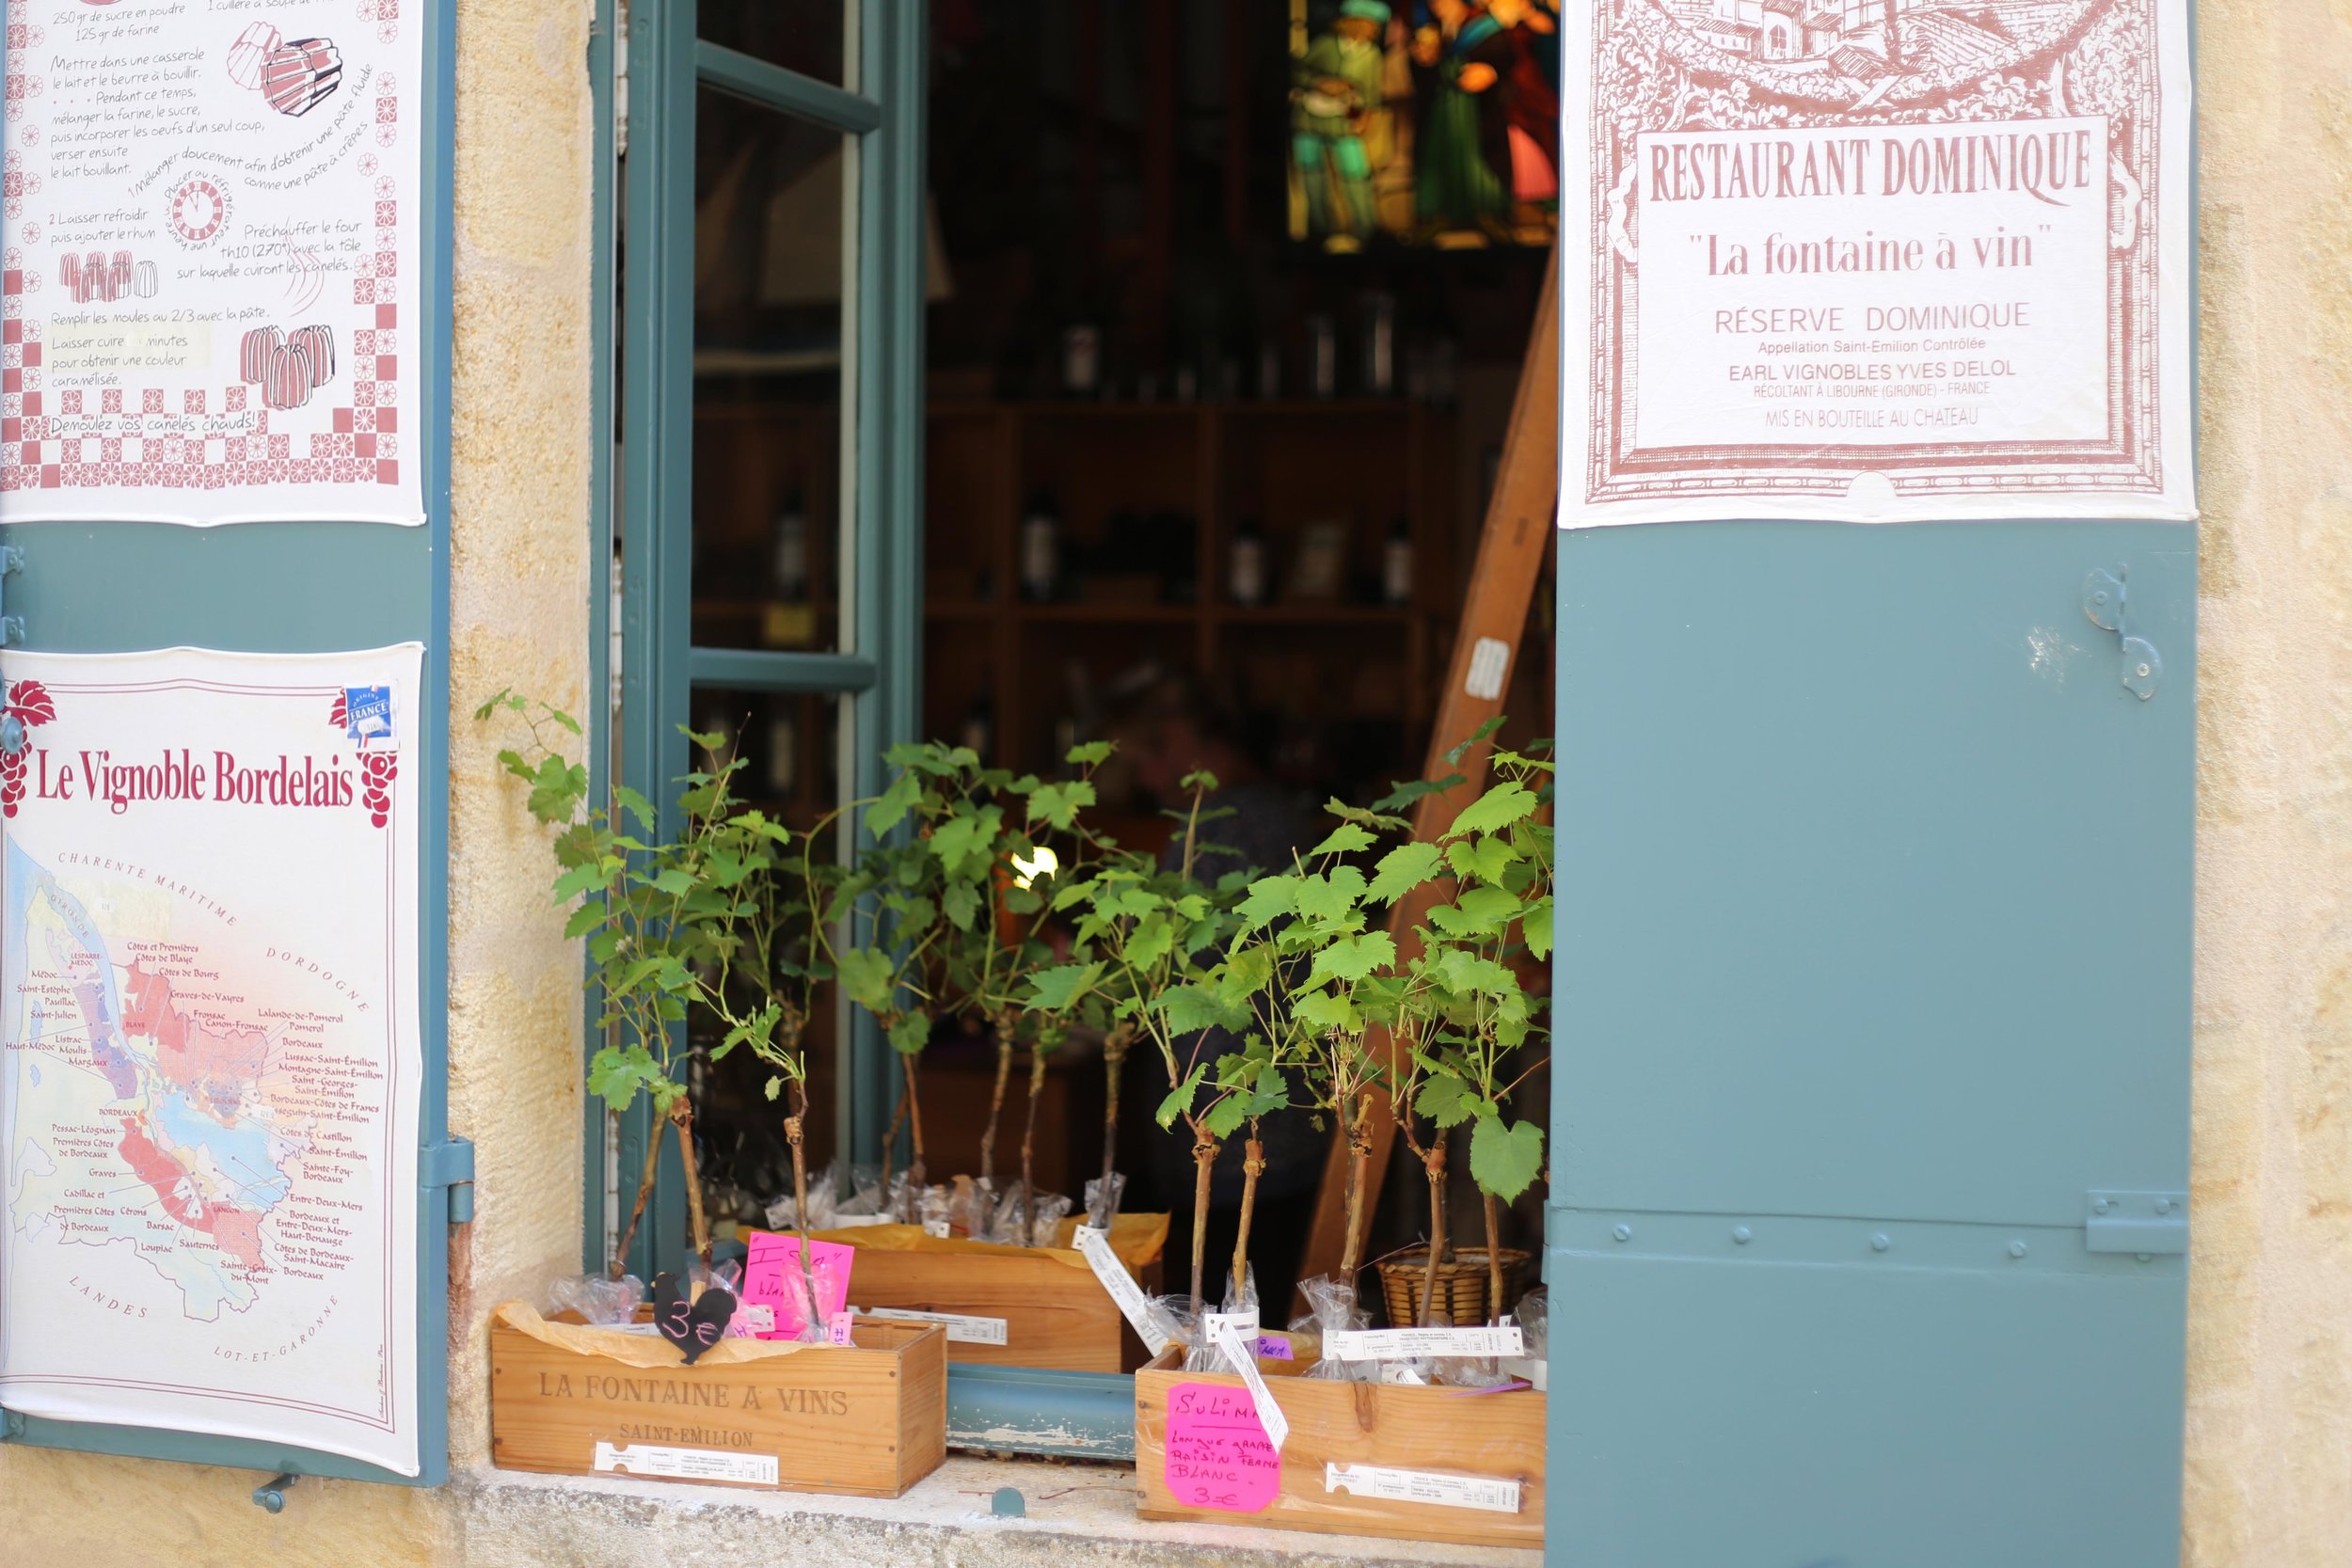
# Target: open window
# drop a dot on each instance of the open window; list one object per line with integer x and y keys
{"x": 1013, "y": 375}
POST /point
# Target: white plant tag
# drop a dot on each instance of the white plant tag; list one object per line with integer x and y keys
{"x": 963, "y": 1328}
{"x": 1095, "y": 1247}
{"x": 939, "y": 1231}
{"x": 1490, "y": 1493}
{"x": 1491, "y": 657}
{"x": 1243, "y": 1324}
{"x": 644, "y": 1459}
{"x": 1397, "y": 1344}
{"x": 1531, "y": 1368}
{"x": 1243, "y": 1354}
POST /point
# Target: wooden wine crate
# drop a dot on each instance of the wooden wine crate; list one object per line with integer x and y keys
{"x": 1446, "y": 1432}
{"x": 1055, "y": 1313}
{"x": 868, "y": 1420}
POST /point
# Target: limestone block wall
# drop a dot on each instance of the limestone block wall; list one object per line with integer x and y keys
{"x": 2269, "y": 1476}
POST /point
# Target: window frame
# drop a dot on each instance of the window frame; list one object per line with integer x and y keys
{"x": 646, "y": 490}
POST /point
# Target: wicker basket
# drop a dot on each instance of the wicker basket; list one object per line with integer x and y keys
{"x": 1461, "y": 1284}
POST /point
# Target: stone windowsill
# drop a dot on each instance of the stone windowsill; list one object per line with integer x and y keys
{"x": 1078, "y": 1515}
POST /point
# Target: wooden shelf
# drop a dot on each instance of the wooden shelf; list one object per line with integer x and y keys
{"x": 1081, "y": 614}
{"x": 1319, "y": 614}
{"x": 1288, "y": 463}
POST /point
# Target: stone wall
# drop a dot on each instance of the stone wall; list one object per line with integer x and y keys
{"x": 2269, "y": 1479}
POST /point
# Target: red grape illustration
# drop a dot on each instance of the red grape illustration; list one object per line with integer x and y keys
{"x": 378, "y": 770}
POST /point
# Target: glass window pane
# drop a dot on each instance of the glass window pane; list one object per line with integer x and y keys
{"x": 808, "y": 36}
{"x": 790, "y": 744}
{"x": 770, "y": 389}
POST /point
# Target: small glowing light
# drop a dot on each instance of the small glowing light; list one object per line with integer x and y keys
{"x": 1043, "y": 864}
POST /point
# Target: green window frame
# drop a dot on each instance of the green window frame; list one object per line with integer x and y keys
{"x": 648, "y": 66}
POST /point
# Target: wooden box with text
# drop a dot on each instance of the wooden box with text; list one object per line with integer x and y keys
{"x": 867, "y": 1421}
{"x": 1043, "y": 1302}
{"x": 1349, "y": 1444}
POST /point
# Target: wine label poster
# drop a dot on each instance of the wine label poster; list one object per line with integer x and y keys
{"x": 210, "y": 1052}
{"x": 1876, "y": 260}
{"x": 211, "y": 306}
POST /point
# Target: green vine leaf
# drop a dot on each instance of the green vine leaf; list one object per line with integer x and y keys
{"x": 1505, "y": 1159}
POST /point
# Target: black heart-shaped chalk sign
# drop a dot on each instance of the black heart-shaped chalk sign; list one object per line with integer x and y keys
{"x": 692, "y": 1326}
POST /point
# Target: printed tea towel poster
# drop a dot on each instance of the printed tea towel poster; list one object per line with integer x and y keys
{"x": 1875, "y": 260}
{"x": 210, "y": 301}
{"x": 210, "y": 1052}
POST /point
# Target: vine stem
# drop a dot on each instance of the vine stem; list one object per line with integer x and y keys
{"x": 916, "y": 1171}
{"x": 1204, "y": 1160}
{"x": 1252, "y": 1166}
{"x": 890, "y": 1142}
{"x": 1004, "y": 1026}
{"x": 793, "y": 1127}
{"x": 1115, "y": 1046}
{"x": 682, "y": 1118}
{"x": 1493, "y": 1258}
{"x": 1435, "y": 1161}
{"x": 1359, "y": 1165}
{"x": 1029, "y": 1144}
{"x": 636, "y": 1211}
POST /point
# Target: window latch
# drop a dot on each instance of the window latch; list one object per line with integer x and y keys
{"x": 2148, "y": 1224}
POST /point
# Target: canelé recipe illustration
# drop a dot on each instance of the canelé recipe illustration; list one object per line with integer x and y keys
{"x": 210, "y": 300}
{"x": 210, "y": 1052}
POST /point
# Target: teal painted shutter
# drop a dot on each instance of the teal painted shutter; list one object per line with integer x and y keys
{"x": 305, "y": 588}
{"x": 1873, "y": 976}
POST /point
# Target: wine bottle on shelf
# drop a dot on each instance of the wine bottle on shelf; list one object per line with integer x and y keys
{"x": 787, "y": 551}
{"x": 1396, "y": 564}
{"x": 1379, "y": 366}
{"x": 1082, "y": 357}
{"x": 979, "y": 729}
{"x": 784, "y": 748}
{"x": 1040, "y": 550}
{"x": 1323, "y": 356}
{"x": 1247, "y": 566}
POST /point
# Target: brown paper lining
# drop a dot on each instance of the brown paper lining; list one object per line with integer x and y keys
{"x": 634, "y": 1349}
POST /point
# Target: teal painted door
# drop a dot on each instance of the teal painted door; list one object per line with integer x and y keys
{"x": 1873, "y": 978}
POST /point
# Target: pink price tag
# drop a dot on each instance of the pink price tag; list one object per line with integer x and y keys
{"x": 1218, "y": 1455}
{"x": 772, "y": 1278}
{"x": 837, "y": 1328}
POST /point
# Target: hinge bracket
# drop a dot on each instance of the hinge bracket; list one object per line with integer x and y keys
{"x": 2105, "y": 599}
{"x": 2148, "y": 1224}
{"x": 620, "y": 79}
{"x": 450, "y": 1164}
{"x": 12, "y": 626}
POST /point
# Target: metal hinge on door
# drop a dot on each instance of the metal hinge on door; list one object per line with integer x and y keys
{"x": 2104, "y": 595}
{"x": 12, "y": 626}
{"x": 2148, "y": 1224}
{"x": 450, "y": 1164}
{"x": 620, "y": 79}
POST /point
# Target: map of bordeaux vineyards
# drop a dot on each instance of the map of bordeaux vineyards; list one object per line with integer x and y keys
{"x": 209, "y": 1053}
{"x": 185, "y": 1113}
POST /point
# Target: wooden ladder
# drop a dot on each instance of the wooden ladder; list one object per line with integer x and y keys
{"x": 1517, "y": 530}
